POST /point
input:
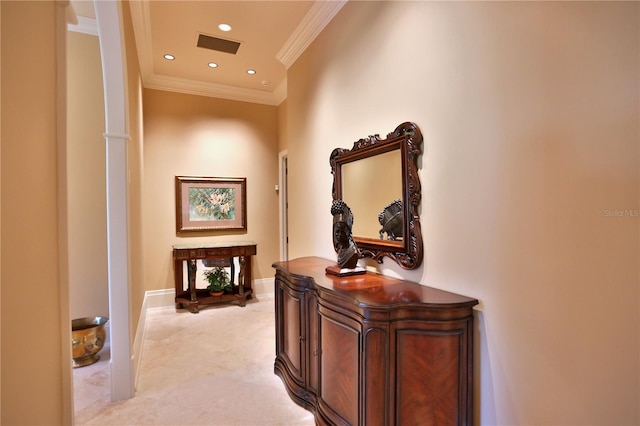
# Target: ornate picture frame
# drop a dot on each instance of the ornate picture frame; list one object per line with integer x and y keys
{"x": 205, "y": 204}
{"x": 407, "y": 140}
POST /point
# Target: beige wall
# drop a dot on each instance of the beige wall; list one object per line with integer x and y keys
{"x": 88, "y": 281}
{"x": 135, "y": 169}
{"x": 33, "y": 246}
{"x": 86, "y": 169}
{"x": 282, "y": 126}
{"x": 32, "y": 342}
{"x": 188, "y": 135}
{"x": 529, "y": 113}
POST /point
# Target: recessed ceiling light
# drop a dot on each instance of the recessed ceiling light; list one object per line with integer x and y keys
{"x": 224, "y": 27}
{"x": 251, "y": 72}
{"x": 169, "y": 57}
{"x": 212, "y": 64}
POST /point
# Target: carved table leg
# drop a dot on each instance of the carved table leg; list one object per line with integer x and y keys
{"x": 242, "y": 262}
{"x": 177, "y": 278}
{"x": 191, "y": 273}
{"x": 242, "y": 300}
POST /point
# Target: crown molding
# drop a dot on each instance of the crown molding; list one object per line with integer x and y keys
{"x": 194, "y": 87}
{"x": 141, "y": 19}
{"x": 83, "y": 25}
{"x": 320, "y": 14}
{"x": 142, "y": 29}
{"x": 280, "y": 92}
{"x": 69, "y": 13}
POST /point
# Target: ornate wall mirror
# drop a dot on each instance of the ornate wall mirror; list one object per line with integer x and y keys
{"x": 378, "y": 179}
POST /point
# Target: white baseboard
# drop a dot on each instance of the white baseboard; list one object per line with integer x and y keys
{"x": 263, "y": 287}
{"x": 166, "y": 297}
{"x": 160, "y": 298}
{"x": 152, "y": 299}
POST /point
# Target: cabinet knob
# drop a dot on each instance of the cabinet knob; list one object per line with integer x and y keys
{"x": 301, "y": 339}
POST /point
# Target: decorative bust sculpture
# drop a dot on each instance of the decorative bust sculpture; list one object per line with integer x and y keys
{"x": 342, "y": 239}
{"x": 391, "y": 220}
{"x": 343, "y": 242}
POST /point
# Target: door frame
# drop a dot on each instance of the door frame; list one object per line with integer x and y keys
{"x": 283, "y": 204}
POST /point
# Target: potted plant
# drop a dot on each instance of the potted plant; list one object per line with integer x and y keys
{"x": 219, "y": 281}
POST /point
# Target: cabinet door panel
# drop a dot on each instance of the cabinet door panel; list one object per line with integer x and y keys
{"x": 312, "y": 338}
{"x": 376, "y": 375}
{"x": 339, "y": 368}
{"x": 291, "y": 345}
{"x": 431, "y": 397}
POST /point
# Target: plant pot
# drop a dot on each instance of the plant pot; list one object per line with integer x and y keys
{"x": 216, "y": 293}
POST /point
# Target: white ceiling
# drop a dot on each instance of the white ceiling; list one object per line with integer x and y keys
{"x": 272, "y": 34}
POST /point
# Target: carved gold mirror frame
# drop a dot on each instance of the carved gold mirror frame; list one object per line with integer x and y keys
{"x": 406, "y": 140}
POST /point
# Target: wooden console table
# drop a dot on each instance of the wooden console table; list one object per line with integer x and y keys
{"x": 372, "y": 350}
{"x": 192, "y": 297}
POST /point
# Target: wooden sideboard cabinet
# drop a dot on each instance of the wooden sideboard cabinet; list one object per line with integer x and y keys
{"x": 372, "y": 350}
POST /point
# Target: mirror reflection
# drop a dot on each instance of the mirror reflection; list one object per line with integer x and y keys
{"x": 367, "y": 205}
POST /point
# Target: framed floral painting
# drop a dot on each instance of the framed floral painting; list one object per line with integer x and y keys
{"x": 209, "y": 204}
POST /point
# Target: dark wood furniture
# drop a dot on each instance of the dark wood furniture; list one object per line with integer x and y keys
{"x": 372, "y": 350}
{"x": 192, "y": 297}
{"x": 407, "y": 139}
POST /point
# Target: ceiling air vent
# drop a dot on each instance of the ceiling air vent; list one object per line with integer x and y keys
{"x": 219, "y": 44}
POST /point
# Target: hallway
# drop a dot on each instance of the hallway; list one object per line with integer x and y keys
{"x": 213, "y": 368}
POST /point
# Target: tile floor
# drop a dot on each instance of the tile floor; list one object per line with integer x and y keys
{"x": 211, "y": 368}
